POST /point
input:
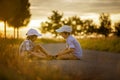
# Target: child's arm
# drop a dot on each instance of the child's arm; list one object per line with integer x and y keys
{"x": 66, "y": 51}
{"x": 42, "y": 50}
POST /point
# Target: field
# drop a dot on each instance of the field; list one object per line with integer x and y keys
{"x": 13, "y": 67}
{"x": 102, "y": 44}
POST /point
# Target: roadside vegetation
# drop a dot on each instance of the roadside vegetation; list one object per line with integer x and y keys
{"x": 101, "y": 44}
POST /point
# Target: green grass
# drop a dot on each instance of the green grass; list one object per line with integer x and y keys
{"x": 101, "y": 44}
{"x": 47, "y": 40}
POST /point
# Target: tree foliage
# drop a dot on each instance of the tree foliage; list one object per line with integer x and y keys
{"x": 8, "y": 9}
{"x": 22, "y": 17}
{"x": 53, "y": 23}
{"x": 105, "y": 24}
{"x": 117, "y": 29}
{"x": 75, "y": 22}
{"x": 80, "y": 27}
{"x": 15, "y": 13}
{"x": 89, "y": 27}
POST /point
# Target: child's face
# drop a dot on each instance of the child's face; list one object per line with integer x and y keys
{"x": 34, "y": 38}
{"x": 64, "y": 35}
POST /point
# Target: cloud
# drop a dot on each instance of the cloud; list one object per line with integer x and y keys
{"x": 105, "y": 6}
{"x": 71, "y": 7}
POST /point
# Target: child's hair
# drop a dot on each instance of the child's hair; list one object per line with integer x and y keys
{"x": 30, "y": 37}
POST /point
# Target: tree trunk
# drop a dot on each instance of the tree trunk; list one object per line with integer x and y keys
{"x": 17, "y": 33}
{"x": 5, "y": 23}
{"x": 14, "y": 32}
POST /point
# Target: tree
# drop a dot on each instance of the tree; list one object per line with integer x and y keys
{"x": 45, "y": 27}
{"x": 89, "y": 27}
{"x": 7, "y": 10}
{"x": 105, "y": 24}
{"x": 22, "y": 17}
{"x": 53, "y": 23}
{"x": 75, "y": 22}
{"x": 117, "y": 29}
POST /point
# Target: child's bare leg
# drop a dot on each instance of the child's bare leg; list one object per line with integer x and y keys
{"x": 67, "y": 57}
{"x": 41, "y": 49}
{"x": 43, "y": 56}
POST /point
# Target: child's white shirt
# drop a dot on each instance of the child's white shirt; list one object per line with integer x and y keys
{"x": 25, "y": 46}
{"x": 73, "y": 43}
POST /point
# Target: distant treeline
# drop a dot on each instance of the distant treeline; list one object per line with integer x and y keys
{"x": 81, "y": 27}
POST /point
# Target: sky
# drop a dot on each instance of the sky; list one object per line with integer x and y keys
{"x": 41, "y": 9}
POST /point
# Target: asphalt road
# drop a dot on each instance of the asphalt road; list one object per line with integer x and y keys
{"x": 94, "y": 65}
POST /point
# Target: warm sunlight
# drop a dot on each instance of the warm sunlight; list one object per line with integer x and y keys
{"x": 84, "y": 9}
{"x": 1, "y": 25}
{"x": 34, "y": 23}
{"x": 115, "y": 18}
{"x": 93, "y": 16}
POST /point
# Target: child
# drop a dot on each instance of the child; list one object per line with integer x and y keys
{"x": 28, "y": 47}
{"x": 73, "y": 50}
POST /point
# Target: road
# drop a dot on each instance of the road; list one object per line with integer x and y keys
{"x": 95, "y": 65}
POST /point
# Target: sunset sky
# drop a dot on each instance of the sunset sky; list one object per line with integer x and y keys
{"x": 41, "y": 9}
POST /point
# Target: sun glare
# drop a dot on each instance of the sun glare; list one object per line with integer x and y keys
{"x": 93, "y": 16}
{"x": 1, "y": 25}
{"x": 22, "y": 31}
{"x": 34, "y": 23}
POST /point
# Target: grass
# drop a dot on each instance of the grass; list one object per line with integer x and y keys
{"x": 47, "y": 40}
{"x": 13, "y": 67}
{"x": 101, "y": 44}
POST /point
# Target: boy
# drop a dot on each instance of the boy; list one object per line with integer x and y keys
{"x": 28, "y": 47}
{"x": 73, "y": 50}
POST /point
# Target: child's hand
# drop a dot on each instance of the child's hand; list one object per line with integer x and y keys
{"x": 48, "y": 55}
{"x": 54, "y": 56}
{"x": 57, "y": 55}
